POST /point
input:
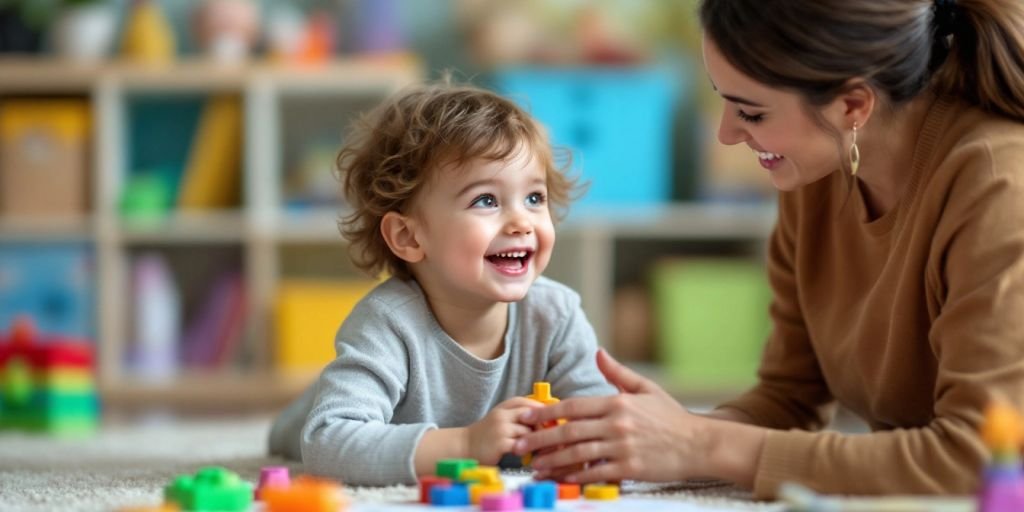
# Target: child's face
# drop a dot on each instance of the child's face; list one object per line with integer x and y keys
{"x": 485, "y": 229}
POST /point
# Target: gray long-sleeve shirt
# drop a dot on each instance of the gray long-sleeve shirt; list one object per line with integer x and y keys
{"x": 399, "y": 374}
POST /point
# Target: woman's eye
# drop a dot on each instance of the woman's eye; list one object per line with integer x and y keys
{"x": 484, "y": 201}
{"x": 535, "y": 199}
{"x": 749, "y": 118}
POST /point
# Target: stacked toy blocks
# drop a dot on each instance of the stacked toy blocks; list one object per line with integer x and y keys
{"x": 46, "y": 385}
{"x": 1003, "y": 481}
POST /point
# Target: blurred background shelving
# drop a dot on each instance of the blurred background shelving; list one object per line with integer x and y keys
{"x": 189, "y": 226}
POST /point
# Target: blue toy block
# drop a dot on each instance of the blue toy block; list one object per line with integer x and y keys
{"x": 52, "y": 284}
{"x": 454, "y": 495}
{"x": 540, "y": 494}
{"x": 618, "y": 123}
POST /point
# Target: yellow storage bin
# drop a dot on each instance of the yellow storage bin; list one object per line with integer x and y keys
{"x": 308, "y": 316}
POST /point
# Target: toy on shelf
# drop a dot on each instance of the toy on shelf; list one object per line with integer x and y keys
{"x": 212, "y": 488}
{"x": 1002, "y": 488}
{"x": 305, "y": 494}
{"x": 46, "y": 385}
{"x": 148, "y": 36}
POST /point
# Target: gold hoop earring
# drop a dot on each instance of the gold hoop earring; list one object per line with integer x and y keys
{"x": 854, "y": 153}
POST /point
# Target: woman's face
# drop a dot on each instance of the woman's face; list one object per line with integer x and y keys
{"x": 774, "y": 124}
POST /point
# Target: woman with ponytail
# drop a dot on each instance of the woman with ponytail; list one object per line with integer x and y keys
{"x": 894, "y": 130}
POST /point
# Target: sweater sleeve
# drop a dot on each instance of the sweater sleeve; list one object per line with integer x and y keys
{"x": 572, "y": 360}
{"x": 348, "y": 435}
{"x": 791, "y": 391}
{"x": 976, "y": 289}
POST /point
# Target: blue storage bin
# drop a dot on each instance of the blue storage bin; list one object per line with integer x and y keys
{"x": 51, "y": 283}
{"x": 616, "y": 121}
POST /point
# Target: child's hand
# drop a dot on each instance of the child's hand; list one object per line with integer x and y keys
{"x": 496, "y": 433}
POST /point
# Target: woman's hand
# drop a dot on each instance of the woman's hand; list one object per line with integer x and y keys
{"x": 642, "y": 434}
{"x": 496, "y": 433}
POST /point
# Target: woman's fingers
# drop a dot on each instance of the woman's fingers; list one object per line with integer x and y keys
{"x": 620, "y": 376}
{"x": 570, "y": 409}
{"x": 566, "y": 434}
{"x": 573, "y": 457}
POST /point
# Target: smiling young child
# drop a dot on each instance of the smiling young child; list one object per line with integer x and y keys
{"x": 454, "y": 190}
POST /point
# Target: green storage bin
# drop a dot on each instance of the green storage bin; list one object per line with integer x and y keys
{"x": 712, "y": 321}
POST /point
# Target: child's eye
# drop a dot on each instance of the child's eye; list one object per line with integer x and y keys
{"x": 484, "y": 201}
{"x": 536, "y": 199}
{"x": 749, "y": 118}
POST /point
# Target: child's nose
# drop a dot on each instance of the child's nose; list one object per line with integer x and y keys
{"x": 519, "y": 224}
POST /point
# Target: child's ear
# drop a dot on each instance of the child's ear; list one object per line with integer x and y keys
{"x": 399, "y": 233}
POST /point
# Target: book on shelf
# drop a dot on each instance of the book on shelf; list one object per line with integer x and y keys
{"x": 212, "y": 174}
{"x": 214, "y": 336}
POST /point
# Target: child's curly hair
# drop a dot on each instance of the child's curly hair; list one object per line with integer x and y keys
{"x": 393, "y": 151}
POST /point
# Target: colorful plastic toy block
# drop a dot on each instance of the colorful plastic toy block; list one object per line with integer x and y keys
{"x": 452, "y": 468}
{"x": 601, "y": 492}
{"x": 487, "y": 475}
{"x": 46, "y": 385}
{"x": 542, "y": 394}
{"x": 212, "y": 488}
{"x": 568, "y": 491}
{"x": 305, "y": 494}
{"x": 1003, "y": 486}
{"x": 477, "y": 491}
{"x": 272, "y": 476}
{"x": 542, "y": 494}
{"x": 428, "y": 482}
{"x": 453, "y": 495}
{"x": 502, "y": 501}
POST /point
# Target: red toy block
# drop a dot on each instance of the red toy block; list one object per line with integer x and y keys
{"x": 426, "y": 482}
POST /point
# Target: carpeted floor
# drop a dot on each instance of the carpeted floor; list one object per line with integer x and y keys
{"x": 128, "y": 465}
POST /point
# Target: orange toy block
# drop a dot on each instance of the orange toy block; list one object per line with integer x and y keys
{"x": 305, "y": 494}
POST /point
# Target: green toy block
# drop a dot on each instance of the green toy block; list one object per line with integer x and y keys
{"x": 17, "y": 382}
{"x": 452, "y": 468}
{"x": 712, "y": 320}
{"x": 212, "y": 488}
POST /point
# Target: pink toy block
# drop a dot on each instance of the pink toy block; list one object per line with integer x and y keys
{"x": 272, "y": 476}
{"x": 502, "y": 501}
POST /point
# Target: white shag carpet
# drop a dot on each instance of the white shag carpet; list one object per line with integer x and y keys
{"x": 128, "y": 465}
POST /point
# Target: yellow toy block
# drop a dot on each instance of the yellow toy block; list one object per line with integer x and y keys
{"x": 487, "y": 475}
{"x": 477, "y": 491}
{"x": 601, "y": 492}
{"x": 308, "y": 317}
{"x": 542, "y": 393}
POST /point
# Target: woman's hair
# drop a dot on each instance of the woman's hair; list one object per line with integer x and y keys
{"x": 394, "y": 150}
{"x": 970, "y": 48}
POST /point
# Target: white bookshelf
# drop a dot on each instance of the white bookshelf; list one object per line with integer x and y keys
{"x": 254, "y": 229}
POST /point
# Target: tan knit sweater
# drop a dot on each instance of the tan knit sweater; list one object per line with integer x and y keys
{"x": 914, "y": 320}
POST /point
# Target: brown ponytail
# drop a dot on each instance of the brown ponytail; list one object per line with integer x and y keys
{"x": 985, "y": 64}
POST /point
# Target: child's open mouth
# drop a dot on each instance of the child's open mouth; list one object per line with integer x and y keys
{"x": 513, "y": 263}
